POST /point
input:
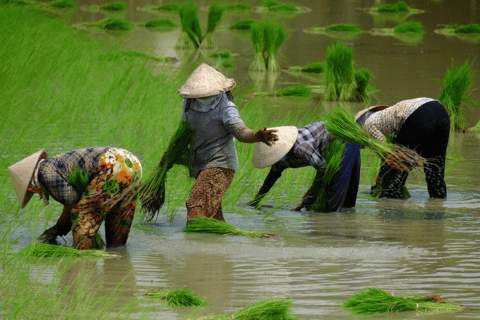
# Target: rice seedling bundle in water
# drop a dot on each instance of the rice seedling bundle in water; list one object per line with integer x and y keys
{"x": 343, "y": 125}
{"x": 275, "y": 36}
{"x": 207, "y": 225}
{"x": 362, "y": 79}
{"x": 238, "y": 7}
{"x": 114, "y": 6}
{"x": 272, "y": 309}
{"x": 377, "y": 301}
{"x": 151, "y": 192}
{"x": 224, "y": 54}
{"x": 160, "y": 23}
{"x": 409, "y": 27}
{"x": 273, "y": 5}
{"x": 314, "y": 67}
{"x": 399, "y": 7}
{"x": 244, "y": 24}
{"x": 215, "y": 13}
{"x": 299, "y": 90}
{"x": 183, "y": 297}
{"x": 468, "y": 29}
{"x": 333, "y": 154}
{"x": 345, "y": 27}
{"x": 43, "y": 250}
{"x": 191, "y": 36}
{"x": 456, "y": 88}
{"x": 257, "y": 34}
{"x": 63, "y": 4}
{"x": 170, "y": 7}
{"x": 115, "y": 23}
{"x": 339, "y": 75}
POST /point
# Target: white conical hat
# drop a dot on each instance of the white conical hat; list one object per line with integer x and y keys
{"x": 21, "y": 174}
{"x": 368, "y": 112}
{"x": 205, "y": 81}
{"x": 265, "y": 155}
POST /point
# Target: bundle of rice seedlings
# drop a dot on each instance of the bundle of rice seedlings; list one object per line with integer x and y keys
{"x": 191, "y": 36}
{"x": 314, "y": 67}
{"x": 299, "y": 90}
{"x": 333, "y": 154}
{"x": 207, "y": 225}
{"x": 343, "y": 125}
{"x": 344, "y": 27}
{"x": 399, "y": 7}
{"x": 275, "y": 36}
{"x": 362, "y": 78}
{"x": 257, "y": 34}
{"x": 17, "y": 2}
{"x": 274, "y": 5}
{"x": 215, "y": 13}
{"x": 183, "y": 297}
{"x": 114, "y": 6}
{"x": 409, "y": 27}
{"x": 172, "y": 7}
{"x": 62, "y": 4}
{"x": 151, "y": 192}
{"x": 271, "y": 309}
{"x": 339, "y": 75}
{"x": 161, "y": 24}
{"x": 376, "y": 301}
{"x": 79, "y": 180}
{"x": 115, "y": 23}
{"x": 468, "y": 29}
{"x": 244, "y": 24}
{"x": 238, "y": 7}
{"x": 456, "y": 88}
{"x": 223, "y": 54}
{"x": 43, "y": 250}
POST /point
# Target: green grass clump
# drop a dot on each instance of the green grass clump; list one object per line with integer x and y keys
{"x": 244, "y": 24}
{"x": 161, "y": 23}
{"x": 43, "y": 250}
{"x": 215, "y": 12}
{"x": 238, "y": 7}
{"x": 63, "y": 4}
{"x": 114, "y": 6}
{"x": 183, "y": 297}
{"x": 274, "y": 5}
{"x": 344, "y": 27}
{"x": 409, "y": 27}
{"x": 377, "y": 301}
{"x": 399, "y": 7}
{"x": 473, "y": 28}
{"x": 207, "y": 225}
{"x": 299, "y": 90}
{"x": 115, "y": 23}
{"x": 456, "y": 89}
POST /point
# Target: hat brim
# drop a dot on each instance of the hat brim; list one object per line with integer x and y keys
{"x": 265, "y": 155}
{"x": 363, "y": 115}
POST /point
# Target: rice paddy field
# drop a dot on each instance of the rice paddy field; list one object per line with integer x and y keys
{"x": 67, "y": 81}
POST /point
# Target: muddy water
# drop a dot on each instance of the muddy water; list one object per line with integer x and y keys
{"x": 418, "y": 246}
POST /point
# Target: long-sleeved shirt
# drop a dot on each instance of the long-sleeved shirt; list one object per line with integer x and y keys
{"x": 389, "y": 121}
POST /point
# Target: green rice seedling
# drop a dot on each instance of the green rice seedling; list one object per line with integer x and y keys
{"x": 114, "y": 6}
{"x": 399, "y": 7}
{"x": 79, "y": 180}
{"x": 377, "y": 301}
{"x": 409, "y": 27}
{"x": 207, "y": 225}
{"x": 43, "y": 250}
{"x": 468, "y": 29}
{"x": 299, "y": 90}
{"x": 151, "y": 192}
{"x": 183, "y": 297}
{"x": 191, "y": 36}
{"x": 333, "y": 154}
{"x": 456, "y": 89}
{"x": 215, "y": 12}
{"x": 63, "y": 4}
{"x": 314, "y": 67}
{"x": 175, "y": 7}
{"x": 18, "y": 2}
{"x": 244, "y": 24}
{"x": 271, "y": 309}
{"x": 224, "y": 54}
{"x": 238, "y": 7}
{"x": 362, "y": 79}
{"x": 257, "y": 33}
{"x": 275, "y": 36}
{"x": 115, "y": 23}
{"x": 344, "y": 27}
{"x": 339, "y": 75}
{"x": 274, "y": 5}
{"x": 161, "y": 24}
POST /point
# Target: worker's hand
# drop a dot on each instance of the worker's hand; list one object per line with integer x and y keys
{"x": 266, "y": 136}
{"x": 162, "y": 161}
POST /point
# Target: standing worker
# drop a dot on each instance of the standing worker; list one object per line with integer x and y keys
{"x": 93, "y": 184}
{"x": 420, "y": 124}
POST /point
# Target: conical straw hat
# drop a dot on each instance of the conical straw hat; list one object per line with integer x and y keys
{"x": 362, "y": 115}
{"x": 21, "y": 174}
{"x": 265, "y": 156}
{"x": 205, "y": 81}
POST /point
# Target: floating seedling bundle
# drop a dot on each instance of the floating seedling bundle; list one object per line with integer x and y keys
{"x": 272, "y": 309}
{"x": 183, "y": 297}
{"x": 151, "y": 192}
{"x": 343, "y": 125}
{"x": 456, "y": 87}
{"x": 339, "y": 76}
{"x": 377, "y": 301}
{"x": 214, "y": 15}
{"x": 43, "y": 250}
{"x": 207, "y": 225}
{"x": 244, "y": 24}
{"x": 267, "y": 37}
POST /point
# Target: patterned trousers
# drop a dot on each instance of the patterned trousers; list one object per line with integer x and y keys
{"x": 205, "y": 199}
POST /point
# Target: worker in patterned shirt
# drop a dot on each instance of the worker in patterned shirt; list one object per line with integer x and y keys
{"x": 420, "y": 124}
{"x": 303, "y": 147}
{"x": 93, "y": 185}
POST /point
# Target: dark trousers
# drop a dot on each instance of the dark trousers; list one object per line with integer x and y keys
{"x": 426, "y": 131}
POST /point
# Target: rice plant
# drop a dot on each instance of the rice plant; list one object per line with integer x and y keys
{"x": 257, "y": 34}
{"x": 115, "y": 23}
{"x": 238, "y": 7}
{"x": 207, "y": 225}
{"x": 215, "y": 13}
{"x": 399, "y": 7}
{"x": 271, "y": 309}
{"x": 223, "y": 54}
{"x": 275, "y": 36}
{"x": 244, "y": 24}
{"x": 63, "y": 4}
{"x": 409, "y": 27}
{"x": 172, "y": 7}
{"x": 299, "y": 90}
{"x": 79, "y": 180}
{"x": 456, "y": 89}
{"x": 473, "y": 28}
{"x": 344, "y": 27}
{"x": 362, "y": 79}
{"x": 43, "y": 250}
{"x": 161, "y": 24}
{"x": 377, "y": 301}
{"x": 339, "y": 75}
{"x": 191, "y": 36}
{"x": 183, "y": 297}
{"x": 274, "y": 5}
{"x": 114, "y": 6}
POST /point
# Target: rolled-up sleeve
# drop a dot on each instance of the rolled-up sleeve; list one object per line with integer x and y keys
{"x": 231, "y": 118}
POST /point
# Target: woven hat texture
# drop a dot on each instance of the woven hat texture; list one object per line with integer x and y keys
{"x": 265, "y": 156}
{"x": 362, "y": 115}
{"x": 205, "y": 81}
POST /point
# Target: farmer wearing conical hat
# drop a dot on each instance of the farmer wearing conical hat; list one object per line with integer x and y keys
{"x": 420, "y": 124}
{"x": 93, "y": 184}
{"x": 209, "y": 109}
{"x": 303, "y": 147}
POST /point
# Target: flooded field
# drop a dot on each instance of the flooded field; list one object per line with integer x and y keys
{"x": 415, "y": 246}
